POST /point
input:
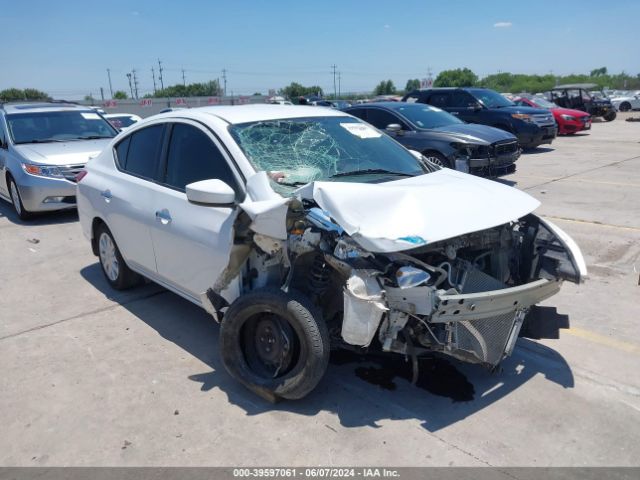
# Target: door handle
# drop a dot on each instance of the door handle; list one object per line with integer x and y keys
{"x": 106, "y": 194}
{"x": 163, "y": 216}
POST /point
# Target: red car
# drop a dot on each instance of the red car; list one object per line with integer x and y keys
{"x": 568, "y": 120}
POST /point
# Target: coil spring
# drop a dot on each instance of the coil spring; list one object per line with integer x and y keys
{"x": 318, "y": 275}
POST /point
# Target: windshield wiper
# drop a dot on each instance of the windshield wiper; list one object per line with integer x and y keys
{"x": 369, "y": 171}
{"x": 92, "y": 137}
{"x": 45, "y": 140}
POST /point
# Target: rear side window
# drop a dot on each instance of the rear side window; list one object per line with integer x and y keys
{"x": 439, "y": 99}
{"x": 381, "y": 118}
{"x": 461, "y": 99}
{"x": 142, "y": 152}
{"x": 193, "y": 157}
{"x": 358, "y": 112}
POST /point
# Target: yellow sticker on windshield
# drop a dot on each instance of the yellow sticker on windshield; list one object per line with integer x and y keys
{"x": 361, "y": 130}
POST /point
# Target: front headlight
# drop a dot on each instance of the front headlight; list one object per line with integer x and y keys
{"x": 525, "y": 117}
{"x": 570, "y": 118}
{"x": 42, "y": 170}
{"x": 464, "y": 149}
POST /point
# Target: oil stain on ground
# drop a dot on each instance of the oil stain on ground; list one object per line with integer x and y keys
{"x": 437, "y": 375}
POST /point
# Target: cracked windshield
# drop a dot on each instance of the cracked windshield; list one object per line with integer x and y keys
{"x": 294, "y": 152}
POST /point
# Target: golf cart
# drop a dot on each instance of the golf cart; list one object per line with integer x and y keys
{"x": 584, "y": 96}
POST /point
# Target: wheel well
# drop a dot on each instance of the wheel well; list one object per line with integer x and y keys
{"x": 94, "y": 226}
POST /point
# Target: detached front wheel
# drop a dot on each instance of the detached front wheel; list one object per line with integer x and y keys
{"x": 275, "y": 343}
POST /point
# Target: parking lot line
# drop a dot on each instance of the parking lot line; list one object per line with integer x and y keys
{"x": 583, "y": 180}
{"x": 590, "y": 222}
{"x": 604, "y": 340}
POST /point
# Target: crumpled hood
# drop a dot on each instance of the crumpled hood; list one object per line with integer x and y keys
{"x": 62, "y": 153}
{"x": 476, "y": 133}
{"x": 408, "y": 213}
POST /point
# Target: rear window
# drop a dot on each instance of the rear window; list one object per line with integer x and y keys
{"x": 123, "y": 121}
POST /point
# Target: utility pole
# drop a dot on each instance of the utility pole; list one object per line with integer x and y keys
{"x": 335, "y": 92}
{"x": 339, "y": 81}
{"x": 184, "y": 82}
{"x": 160, "y": 74}
{"x": 224, "y": 79}
{"x": 153, "y": 75}
{"x": 102, "y": 93}
{"x": 135, "y": 82}
{"x": 130, "y": 87}
{"x": 110, "y": 86}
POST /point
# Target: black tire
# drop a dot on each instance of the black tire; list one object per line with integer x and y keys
{"x": 437, "y": 158}
{"x": 624, "y": 107}
{"x": 299, "y": 336}
{"x": 16, "y": 200}
{"x": 125, "y": 277}
{"x": 609, "y": 116}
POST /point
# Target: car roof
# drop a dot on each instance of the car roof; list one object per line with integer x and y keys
{"x": 40, "y": 107}
{"x": 389, "y": 105}
{"x": 254, "y": 113}
{"x": 576, "y": 85}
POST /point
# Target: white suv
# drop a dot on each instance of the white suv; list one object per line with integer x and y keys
{"x": 301, "y": 228}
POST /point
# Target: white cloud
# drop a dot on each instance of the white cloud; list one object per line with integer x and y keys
{"x": 503, "y": 24}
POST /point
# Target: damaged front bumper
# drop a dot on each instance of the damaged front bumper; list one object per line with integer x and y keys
{"x": 484, "y": 326}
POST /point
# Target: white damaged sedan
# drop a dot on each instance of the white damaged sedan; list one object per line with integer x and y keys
{"x": 302, "y": 229}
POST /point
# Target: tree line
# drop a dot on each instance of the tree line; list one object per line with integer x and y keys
{"x": 517, "y": 82}
{"x": 459, "y": 77}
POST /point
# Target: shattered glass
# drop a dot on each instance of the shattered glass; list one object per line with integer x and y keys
{"x": 297, "y": 151}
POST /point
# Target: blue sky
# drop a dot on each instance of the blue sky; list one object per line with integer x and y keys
{"x": 65, "y": 47}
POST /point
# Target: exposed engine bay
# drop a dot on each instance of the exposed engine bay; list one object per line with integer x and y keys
{"x": 466, "y": 296}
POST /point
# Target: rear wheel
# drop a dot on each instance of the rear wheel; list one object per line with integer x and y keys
{"x": 609, "y": 116}
{"x": 624, "y": 107}
{"x": 16, "y": 200}
{"x": 275, "y": 343}
{"x": 115, "y": 270}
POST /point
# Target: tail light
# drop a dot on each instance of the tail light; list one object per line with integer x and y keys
{"x": 80, "y": 175}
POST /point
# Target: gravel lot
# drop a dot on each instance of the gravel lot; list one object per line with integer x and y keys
{"x": 96, "y": 377}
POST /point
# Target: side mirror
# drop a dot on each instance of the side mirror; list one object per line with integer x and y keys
{"x": 475, "y": 106}
{"x": 416, "y": 154}
{"x": 211, "y": 193}
{"x": 394, "y": 128}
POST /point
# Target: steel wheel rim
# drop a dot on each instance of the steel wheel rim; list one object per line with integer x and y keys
{"x": 271, "y": 346}
{"x": 15, "y": 197}
{"x": 108, "y": 257}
